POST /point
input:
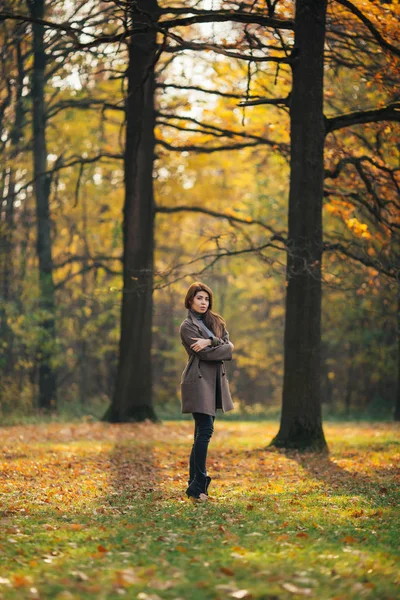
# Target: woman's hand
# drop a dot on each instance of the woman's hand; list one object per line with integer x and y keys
{"x": 199, "y": 344}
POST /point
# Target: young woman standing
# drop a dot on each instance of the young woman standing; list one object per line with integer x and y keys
{"x": 204, "y": 383}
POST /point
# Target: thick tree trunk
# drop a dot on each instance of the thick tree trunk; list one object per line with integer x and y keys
{"x": 397, "y": 406}
{"x": 301, "y": 423}
{"x": 132, "y": 399}
{"x": 47, "y": 379}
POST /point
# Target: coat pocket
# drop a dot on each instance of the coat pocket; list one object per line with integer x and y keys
{"x": 190, "y": 395}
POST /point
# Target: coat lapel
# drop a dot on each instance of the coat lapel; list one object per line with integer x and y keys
{"x": 195, "y": 322}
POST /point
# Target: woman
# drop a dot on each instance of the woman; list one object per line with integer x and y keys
{"x": 204, "y": 384}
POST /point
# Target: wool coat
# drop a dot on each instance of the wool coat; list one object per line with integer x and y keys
{"x": 200, "y": 377}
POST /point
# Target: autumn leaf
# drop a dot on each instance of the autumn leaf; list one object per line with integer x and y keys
{"x": 227, "y": 571}
{"x": 349, "y": 539}
{"x": 21, "y": 581}
{"x": 125, "y": 577}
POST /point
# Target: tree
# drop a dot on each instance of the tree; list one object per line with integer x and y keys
{"x": 12, "y": 53}
{"x": 47, "y": 377}
{"x": 132, "y": 399}
{"x": 301, "y": 424}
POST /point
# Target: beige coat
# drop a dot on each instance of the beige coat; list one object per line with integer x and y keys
{"x": 198, "y": 382}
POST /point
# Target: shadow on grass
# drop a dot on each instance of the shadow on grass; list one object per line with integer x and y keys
{"x": 378, "y": 487}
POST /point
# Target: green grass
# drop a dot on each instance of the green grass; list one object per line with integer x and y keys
{"x": 90, "y": 510}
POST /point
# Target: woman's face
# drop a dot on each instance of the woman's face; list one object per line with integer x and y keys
{"x": 200, "y": 302}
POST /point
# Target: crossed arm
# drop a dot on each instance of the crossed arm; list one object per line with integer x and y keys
{"x": 206, "y": 349}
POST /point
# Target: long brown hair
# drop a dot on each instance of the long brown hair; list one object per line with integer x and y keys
{"x": 212, "y": 320}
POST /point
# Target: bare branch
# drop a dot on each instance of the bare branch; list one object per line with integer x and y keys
{"x": 273, "y": 101}
{"x": 72, "y": 163}
{"x": 379, "y": 38}
{"x": 391, "y": 272}
{"x": 221, "y": 50}
{"x": 85, "y": 269}
{"x": 203, "y": 149}
{"x": 224, "y": 16}
{"x": 391, "y": 112}
{"x": 84, "y": 104}
{"x": 353, "y": 160}
{"x": 199, "y": 89}
{"x": 219, "y": 215}
{"x": 230, "y": 133}
{"x": 95, "y": 260}
{"x": 215, "y": 258}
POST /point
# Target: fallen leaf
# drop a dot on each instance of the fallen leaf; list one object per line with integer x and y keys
{"x": 294, "y": 589}
{"x": 239, "y": 549}
{"x": 125, "y": 577}
{"x": 227, "y": 571}
{"x": 162, "y": 585}
{"x": 241, "y": 594}
{"x": 80, "y": 576}
{"x": 349, "y": 539}
{"x": 21, "y": 580}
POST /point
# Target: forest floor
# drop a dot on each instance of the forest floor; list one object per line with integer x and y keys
{"x": 92, "y": 510}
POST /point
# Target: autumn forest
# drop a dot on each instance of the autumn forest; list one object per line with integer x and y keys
{"x": 146, "y": 145}
{"x": 252, "y": 146}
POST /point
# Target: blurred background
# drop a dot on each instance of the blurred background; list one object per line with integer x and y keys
{"x": 224, "y": 170}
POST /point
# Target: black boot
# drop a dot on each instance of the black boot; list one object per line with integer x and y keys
{"x": 208, "y": 481}
{"x": 198, "y": 492}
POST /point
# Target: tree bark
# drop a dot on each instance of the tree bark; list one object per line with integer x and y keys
{"x": 47, "y": 378}
{"x": 301, "y": 423}
{"x": 396, "y": 415}
{"x": 132, "y": 399}
{"x": 350, "y": 380}
{"x": 7, "y": 200}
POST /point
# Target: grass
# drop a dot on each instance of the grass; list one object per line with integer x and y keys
{"x": 91, "y": 510}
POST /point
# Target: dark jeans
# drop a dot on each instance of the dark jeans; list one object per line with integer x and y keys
{"x": 203, "y": 430}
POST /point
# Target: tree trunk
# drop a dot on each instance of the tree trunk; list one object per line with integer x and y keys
{"x": 47, "y": 379}
{"x": 132, "y": 400}
{"x": 350, "y": 380}
{"x": 301, "y": 423}
{"x": 397, "y": 406}
{"x": 7, "y": 218}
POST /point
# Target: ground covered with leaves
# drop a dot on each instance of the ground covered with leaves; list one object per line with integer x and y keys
{"x": 93, "y": 510}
